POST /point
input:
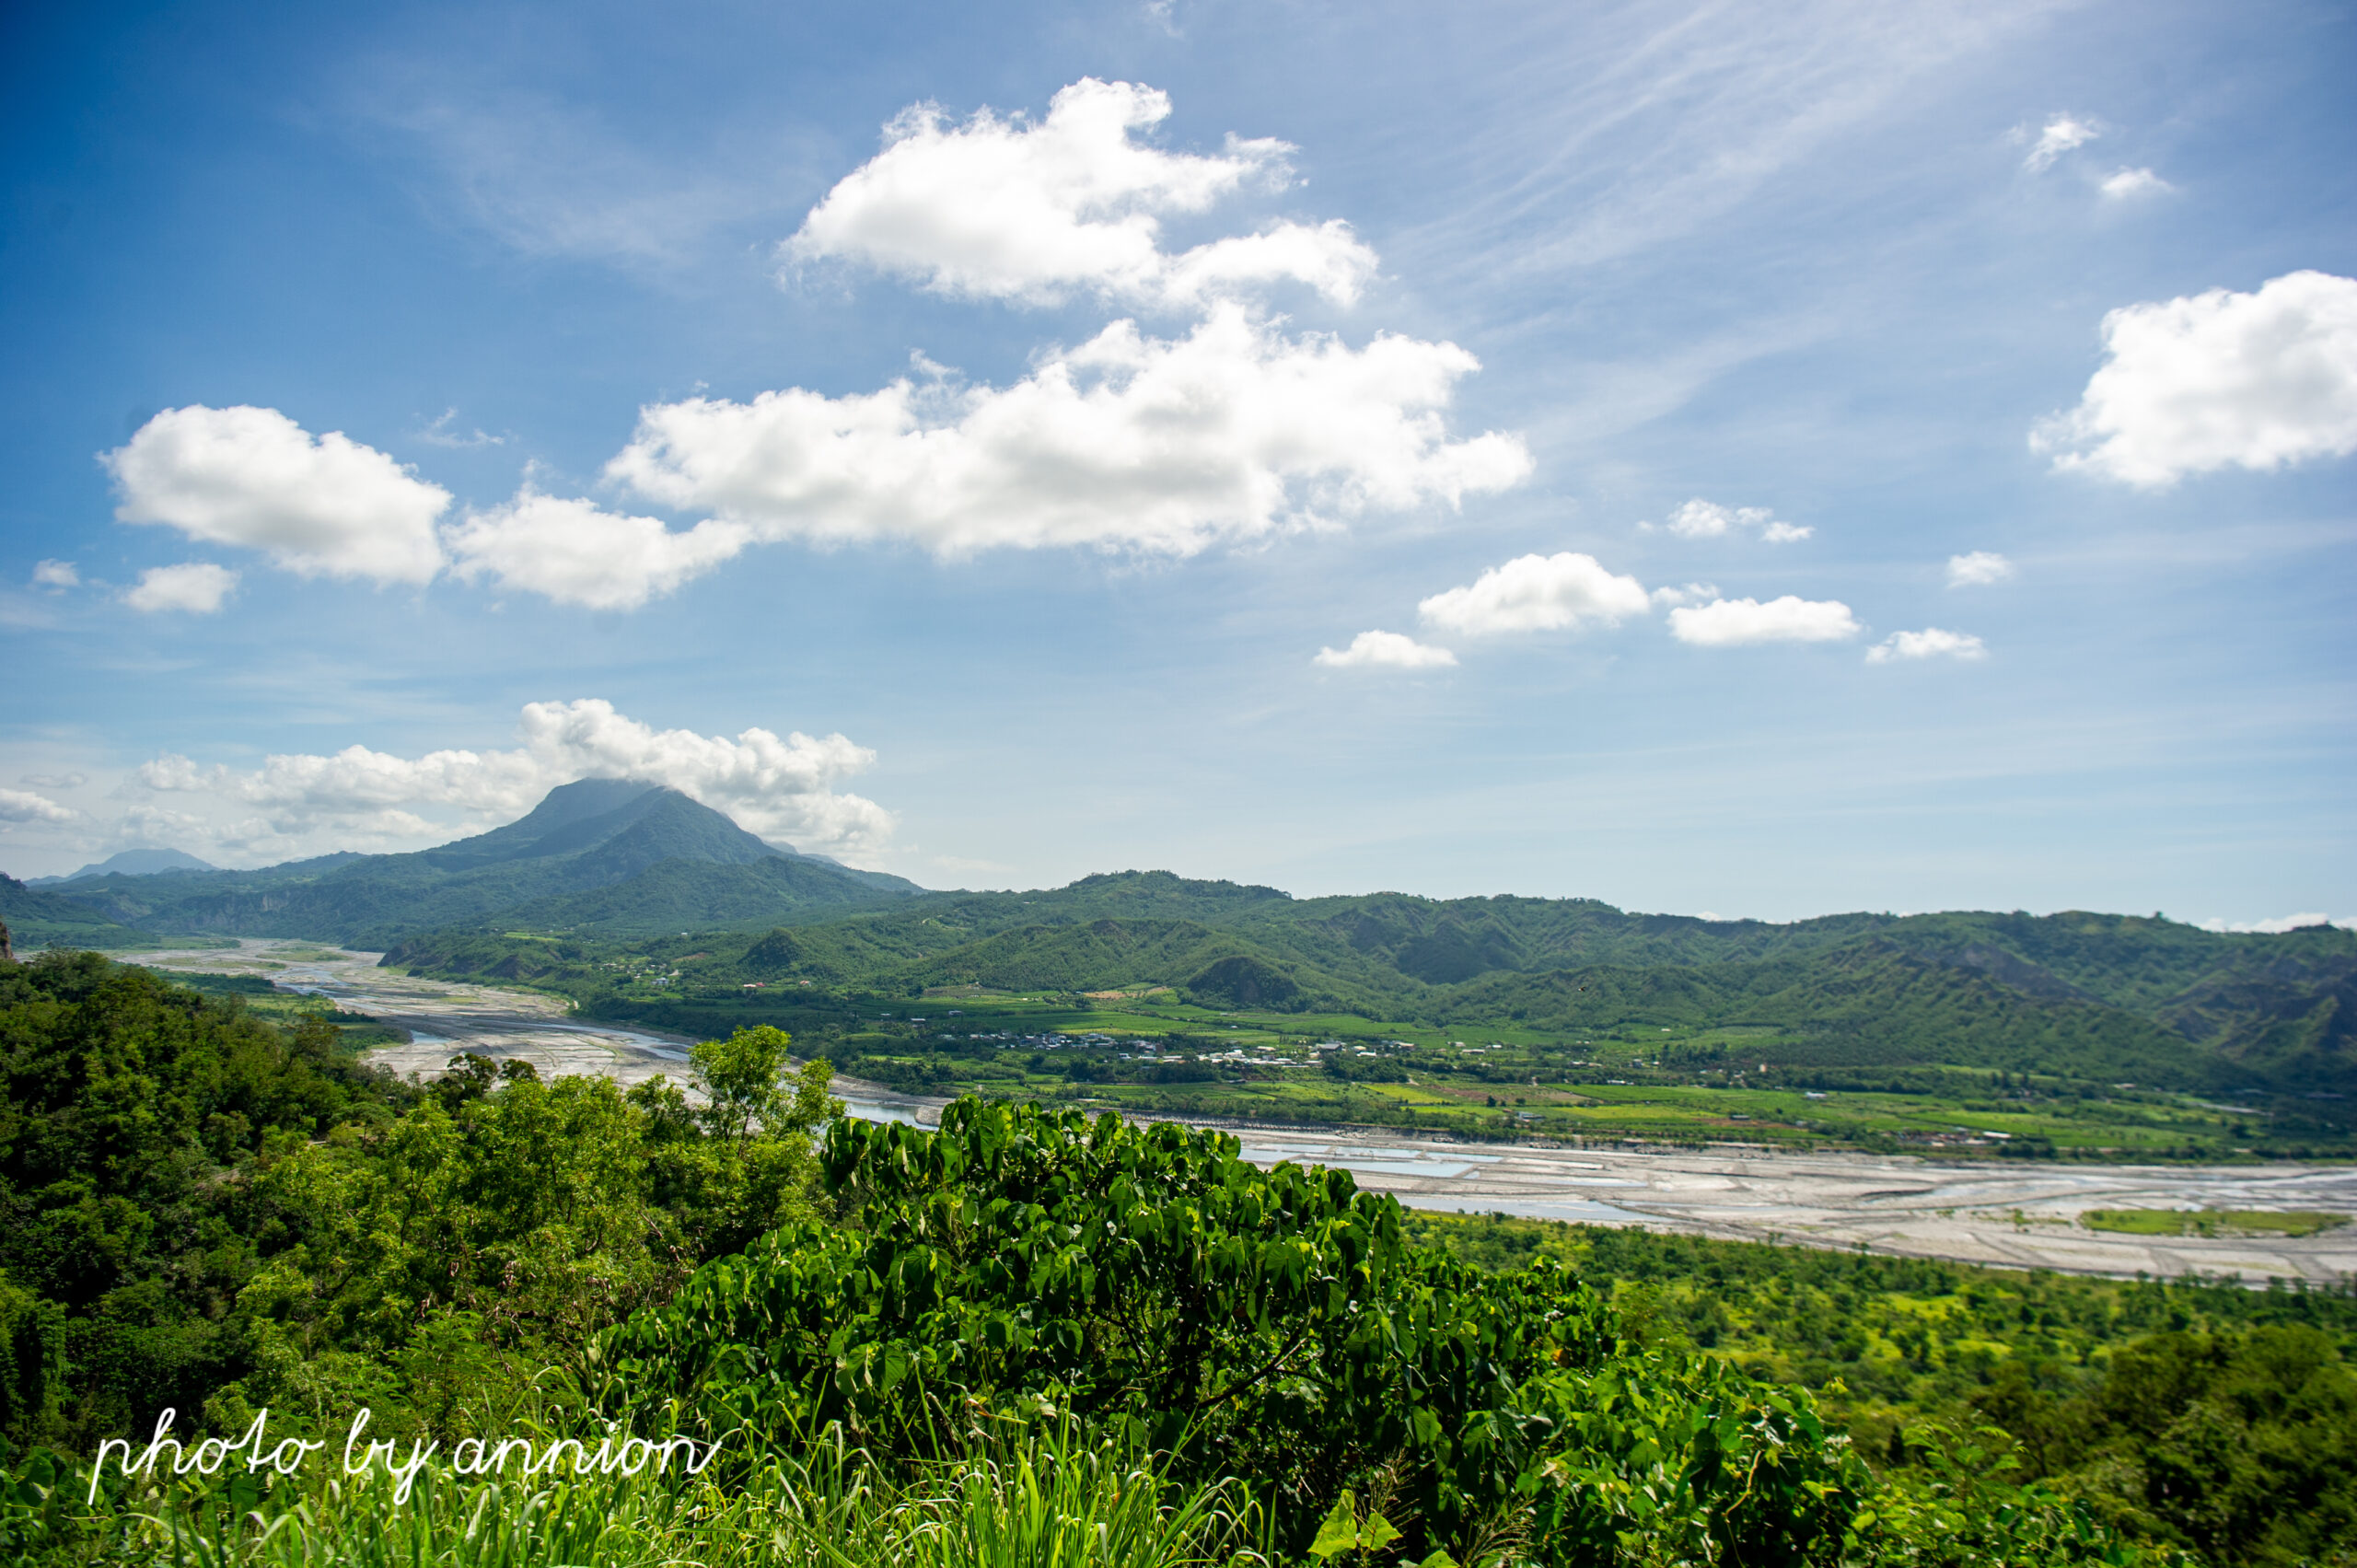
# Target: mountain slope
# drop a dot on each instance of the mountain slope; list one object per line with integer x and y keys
{"x": 583, "y": 838}
{"x": 39, "y": 918}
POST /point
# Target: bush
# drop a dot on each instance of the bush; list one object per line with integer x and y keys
{"x": 1270, "y": 1326}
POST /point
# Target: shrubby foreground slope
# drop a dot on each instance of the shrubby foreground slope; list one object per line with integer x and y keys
{"x": 1029, "y": 1334}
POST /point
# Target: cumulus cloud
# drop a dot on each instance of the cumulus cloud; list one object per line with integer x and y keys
{"x": 1733, "y": 623}
{"x": 251, "y": 477}
{"x": 1977, "y": 569}
{"x": 1930, "y": 643}
{"x": 2133, "y": 183}
{"x": 1011, "y": 209}
{"x": 1161, "y": 444}
{"x": 1385, "y": 650}
{"x": 778, "y": 787}
{"x": 2217, "y": 380}
{"x": 2063, "y": 134}
{"x": 575, "y": 552}
{"x": 55, "y": 574}
{"x": 197, "y": 587}
{"x": 1699, "y": 518}
{"x": 23, "y": 805}
{"x": 1537, "y": 593}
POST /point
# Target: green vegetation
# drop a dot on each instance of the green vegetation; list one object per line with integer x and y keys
{"x": 1031, "y": 1324}
{"x": 1032, "y": 1333}
{"x": 210, "y": 1213}
{"x": 356, "y": 1032}
{"x": 1907, "y": 1036}
{"x": 36, "y": 917}
{"x": 2211, "y": 1222}
{"x": 2217, "y": 1417}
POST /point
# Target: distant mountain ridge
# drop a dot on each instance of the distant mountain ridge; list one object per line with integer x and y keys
{"x": 582, "y": 839}
{"x": 129, "y": 863}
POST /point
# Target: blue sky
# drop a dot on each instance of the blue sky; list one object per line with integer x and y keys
{"x": 1799, "y": 459}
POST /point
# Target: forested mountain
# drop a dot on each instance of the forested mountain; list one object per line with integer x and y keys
{"x": 39, "y": 918}
{"x": 584, "y": 838}
{"x": 2094, "y": 997}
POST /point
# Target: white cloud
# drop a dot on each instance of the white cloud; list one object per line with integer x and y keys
{"x": 195, "y": 586}
{"x": 1385, "y": 650}
{"x": 23, "y": 805}
{"x": 55, "y": 574}
{"x": 1693, "y": 593}
{"x": 2063, "y": 134}
{"x": 55, "y": 780}
{"x": 2133, "y": 183}
{"x": 1930, "y": 643}
{"x": 1978, "y": 568}
{"x": 1009, "y": 209}
{"x": 576, "y": 553}
{"x": 1732, "y": 622}
{"x": 441, "y": 434}
{"x": 253, "y": 477}
{"x": 2216, "y": 380}
{"x": 2277, "y": 927}
{"x": 1535, "y": 593}
{"x": 778, "y": 787}
{"x": 1699, "y": 518}
{"x": 1128, "y": 440}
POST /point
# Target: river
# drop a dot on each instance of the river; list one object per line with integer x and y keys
{"x": 2013, "y": 1213}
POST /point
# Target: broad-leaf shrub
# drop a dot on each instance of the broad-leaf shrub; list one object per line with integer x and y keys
{"x": 1269, "y": 1324}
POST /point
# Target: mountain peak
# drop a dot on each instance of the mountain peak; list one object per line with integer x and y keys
{"x": 579, "y": 801}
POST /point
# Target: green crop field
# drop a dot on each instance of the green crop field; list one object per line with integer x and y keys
{"x": 2211, "y": 1222}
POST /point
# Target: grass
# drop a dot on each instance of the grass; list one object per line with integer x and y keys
{"x": 2211, "y": 1222}
{"x": 1045, "y": 1498}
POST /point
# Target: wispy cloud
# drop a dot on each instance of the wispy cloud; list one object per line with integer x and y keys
{"x": 2130, "y": 183}
{"x": 442, "y": 432}
{"x": 1977, "y": 569}
{"x": 552, "y": 178}
{"x": 2062, "y": 133}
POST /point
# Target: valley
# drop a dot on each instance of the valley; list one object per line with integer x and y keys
{"x": 1961, "y": 1202}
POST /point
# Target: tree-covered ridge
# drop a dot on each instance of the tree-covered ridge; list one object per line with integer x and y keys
{"x": 39, "y": 918}
{"x": 2097, "y": 999}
